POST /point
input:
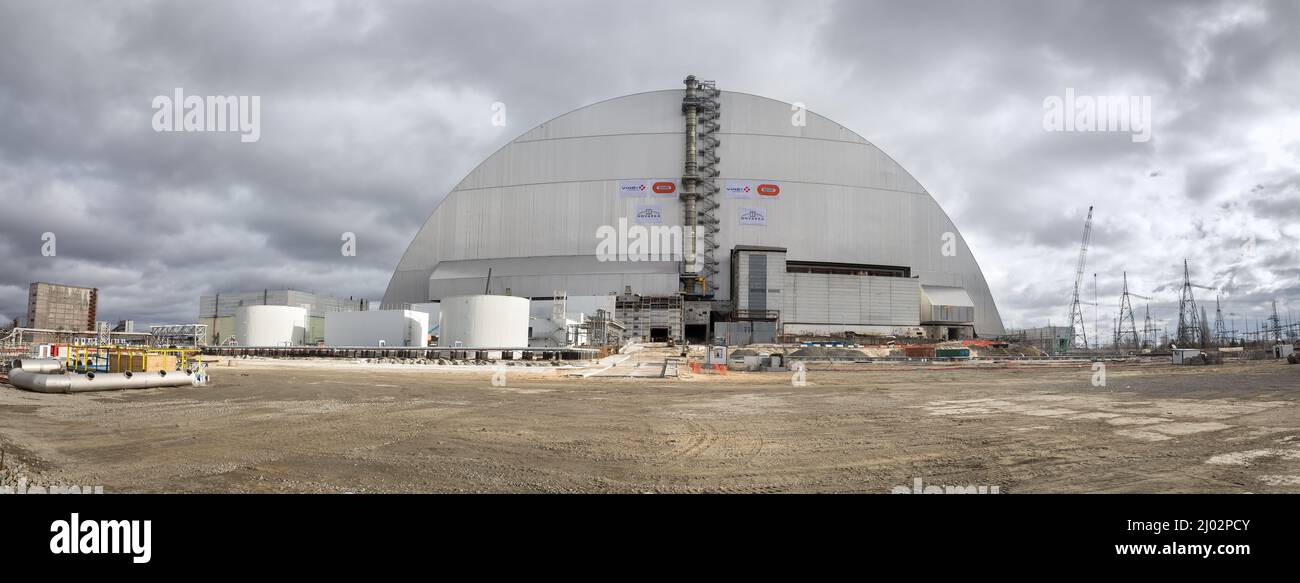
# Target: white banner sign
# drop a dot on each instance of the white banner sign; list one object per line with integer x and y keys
{"x": 768, "y": 190}
{"x": 659, "y": 188}
{"x": 738, "y": 188}
{"x": 751, "y": 189}
{"x": 631, "y": 188}
{"x": 753, "y": 216}
{"x": 649, "y": 214}
{"x": 663, "y": 188}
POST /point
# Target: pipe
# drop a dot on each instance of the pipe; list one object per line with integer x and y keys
{"x": 690, "y": 176}
{"x": 38, "y": 365}
{"x": 69, "y": 383}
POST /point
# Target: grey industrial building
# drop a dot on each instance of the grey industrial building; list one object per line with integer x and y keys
{"x": 800, "y": 229}
{"x": 217, "y": 311}
{"x": 52, "y": 306}
{"x": 1049, "y": 339}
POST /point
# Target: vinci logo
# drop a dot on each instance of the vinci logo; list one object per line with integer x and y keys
{"x": 738, "y": 189}
{"x": 769, "y": 190}
{"x": 664, "y": 188}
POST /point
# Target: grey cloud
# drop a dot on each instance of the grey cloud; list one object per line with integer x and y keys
{"x": 373, "y": 111}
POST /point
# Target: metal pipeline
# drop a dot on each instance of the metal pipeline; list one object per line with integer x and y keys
{"x": 38, "y": 365}
{"x": 690, "y": 175}
{"x": 70, "y": 383}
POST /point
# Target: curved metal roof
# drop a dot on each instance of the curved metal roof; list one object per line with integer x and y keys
{"x": 547, "y": 192}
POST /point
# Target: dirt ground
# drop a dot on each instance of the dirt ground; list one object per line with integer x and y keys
{"x": 1027, "y": 428}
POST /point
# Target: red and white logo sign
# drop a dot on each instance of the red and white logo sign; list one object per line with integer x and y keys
{"x": 751, "y": 189}
{"x": 659, "y": 187}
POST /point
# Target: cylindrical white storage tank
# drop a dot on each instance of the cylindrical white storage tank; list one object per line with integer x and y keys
{"x": 484, "y": 321}
{"x": 270, "y": 325}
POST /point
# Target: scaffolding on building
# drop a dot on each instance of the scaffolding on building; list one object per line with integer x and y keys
{"x": 650, "y": 318}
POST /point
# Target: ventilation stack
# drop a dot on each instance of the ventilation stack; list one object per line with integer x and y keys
{"x": 702, "y": 108}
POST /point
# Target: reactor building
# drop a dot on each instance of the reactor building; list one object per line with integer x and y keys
{"x": 697, "y": 214}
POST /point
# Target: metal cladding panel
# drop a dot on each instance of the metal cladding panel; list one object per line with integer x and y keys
{"x": 842, "y": 299}
{"x": 761, "y": 277}
{"x": 741, "y": 296}
{"x": 542, "y": 276}
{"x": 809, "y": 298}
{"x": 392, "y": 327}
{"x": 851, "y": 300}
{"x": 905, "y": 301}
{"x": 559, "y": 219}
{"x": 756, "y": 280}
{"x": 842, "y": 199}
{"x": 814, "y": 161}
{"x": 317, "y": 305}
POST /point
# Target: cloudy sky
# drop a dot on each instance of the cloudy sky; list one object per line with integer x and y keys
{"x": 372, "y": 111}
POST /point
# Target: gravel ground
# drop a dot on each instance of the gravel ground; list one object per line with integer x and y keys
{"x": 1026, "y": 428}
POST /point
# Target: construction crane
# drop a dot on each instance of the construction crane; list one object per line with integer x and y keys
{"x": 1079, "y": 338}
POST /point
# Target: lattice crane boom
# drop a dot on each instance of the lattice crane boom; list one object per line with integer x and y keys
{"x": 1080, "y": 335}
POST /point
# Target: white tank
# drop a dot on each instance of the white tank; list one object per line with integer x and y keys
{"x": 484, "y": 321}
{"x": 270, "y": 325}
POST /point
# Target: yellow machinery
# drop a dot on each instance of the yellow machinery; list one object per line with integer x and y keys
{"x": 126, "y": 358}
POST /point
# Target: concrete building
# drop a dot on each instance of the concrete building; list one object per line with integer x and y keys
{"x": 217, "y": 312}
{"x": 52, "y": 306}
{"x": 834, "y": 236}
